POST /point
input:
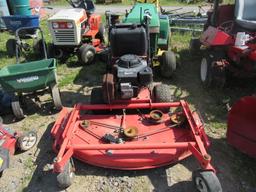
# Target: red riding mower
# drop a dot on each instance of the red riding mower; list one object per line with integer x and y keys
{"x": 129, "y": 126}
{"x": 76, "y": 30}
{"x": 230, "y": 38}
{"x": 10, "y": 141}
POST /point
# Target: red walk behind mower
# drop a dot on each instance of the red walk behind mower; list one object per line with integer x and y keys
{"x": 230, "y": 38}
{"x": 10, "y": 141}
{"x": 76, "y": 30}
{"x": 128, "y": 125}
{"x": 241, "y": 131}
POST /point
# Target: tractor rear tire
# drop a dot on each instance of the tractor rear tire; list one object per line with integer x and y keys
{"x": 212, "y": 76}
{"x": 206, "y": 181}
{"x": 162, "y": 93}
{"x": 11, "y": 47}
{"x": 86, "y": 54}
{"x": 168, "y": 64}
{"x": 55, "y": 92}
{"x": 16, "y": 108}
{"x": 66, "y": 177}
{"x": 27, "y": 141}
{"x": 194, "y": 45}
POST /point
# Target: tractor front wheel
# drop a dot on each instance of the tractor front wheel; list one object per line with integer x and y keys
{"x": 168, "y": 64}
{"x": 66, "y": 177}
{"x": 212, "y": 75}
{"x": 86, "y": 54}
{"x": 27, "y": 141}
{"x": 16, "y": 109}
{"x": 11, "y": 47}
{"x": 206, "y": 181}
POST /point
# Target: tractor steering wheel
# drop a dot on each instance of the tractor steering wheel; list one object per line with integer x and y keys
{"x": 227, "y": 26}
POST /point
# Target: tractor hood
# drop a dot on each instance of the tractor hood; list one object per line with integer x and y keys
{"x": 136, "y": 15}
{"x": 69, "y": 14}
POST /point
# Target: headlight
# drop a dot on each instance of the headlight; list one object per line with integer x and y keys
{"x": 55, "y": 25}
{"x": 70, "y": 25}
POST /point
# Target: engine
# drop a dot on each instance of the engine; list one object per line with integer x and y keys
{"x": 132, "y": 73}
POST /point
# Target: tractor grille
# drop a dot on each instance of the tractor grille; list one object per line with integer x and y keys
{"x": 65, "y": 36}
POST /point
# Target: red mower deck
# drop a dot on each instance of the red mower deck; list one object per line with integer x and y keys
{"x": 241, "y": 131}
{"x": 155, "y": 145}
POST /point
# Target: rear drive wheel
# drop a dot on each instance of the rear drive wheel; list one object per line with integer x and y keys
{"x": 168, "y": 64}
{"x": 66, "y": 177}
{"x": 11, "y": 47}
{"x": 27, "y": 141}
{"x": 97, "y": 98}
{"x": 206, "y": 181}
{"x": 212, "y": 75}
{"x": 162, "y": 93}
{"x": 86, "y": 54}
{"x": 16, "y": 109}
{"x": 55, "y": 92}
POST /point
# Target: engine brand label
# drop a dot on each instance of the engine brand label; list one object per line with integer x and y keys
{"x": 27, "y": 79}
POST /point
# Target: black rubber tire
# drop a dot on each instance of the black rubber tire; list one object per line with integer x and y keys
{"x": 101, "y": 34}
{"x": 86, "y": 54}
{"x": 212, "y": 76}
{"x": 206, "y": 180}
{"x": 1, "y": 173}
{"x": 11, "y": 47}
{"x": 16, "y": 109}
{"x": 39, "y": 49}
{"x": 31, "y": 136}
{"x": 66, "y": 177}
{"x": 168, "y": 64}
{"x": 55, "y": 52}
{"x": 97, "y": 98}
{"x": 194, "y": 45}
{"x": 55, "y": 92}
{"x": 162, "y": 93}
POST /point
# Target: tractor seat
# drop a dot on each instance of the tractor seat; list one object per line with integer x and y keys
{"x": 88, "y": 5}
{"x": 245, "y": 14}
{"x": 128, "y": 39}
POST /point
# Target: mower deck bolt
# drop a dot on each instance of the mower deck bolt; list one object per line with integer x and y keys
{"x": 207, "y": 157}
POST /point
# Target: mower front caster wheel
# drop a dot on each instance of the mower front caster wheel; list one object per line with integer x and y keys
{"x": 86, "y": 54}
{"x": 16, "y": 109}
{"x": 206, "y": 181}
{"x": 66, "y": 177}
{"x": 55, "y": 92}
{"x": 168, "y": 64}
{"x": 27, "y": 141}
